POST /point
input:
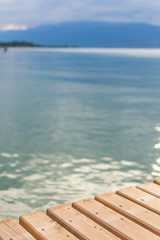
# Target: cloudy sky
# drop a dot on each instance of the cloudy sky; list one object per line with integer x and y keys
{"x": 22, "y": 14}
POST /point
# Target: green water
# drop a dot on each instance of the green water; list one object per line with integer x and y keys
{"x": 76, "y": 123}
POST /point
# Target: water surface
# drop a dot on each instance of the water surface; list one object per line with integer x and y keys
{"x": 76, "y": 123}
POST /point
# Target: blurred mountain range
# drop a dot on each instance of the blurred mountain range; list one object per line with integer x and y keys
{"x": 89, "y": 34}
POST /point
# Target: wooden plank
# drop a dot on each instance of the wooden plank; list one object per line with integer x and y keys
{"x": 157, "y": 181}
{"x": 142, "y": 198}
{"x": 131, "y": 210}
{"x": 150, "y": 188}
{"x": 113, "y": 221}
{"x": 80, "y": 225}
{"x": 11, "y": 230}
{"x": 43, "y": 227}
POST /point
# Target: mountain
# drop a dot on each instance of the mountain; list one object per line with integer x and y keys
{"x": 89, "y": 34}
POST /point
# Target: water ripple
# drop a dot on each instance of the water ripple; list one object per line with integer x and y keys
{"x": 47, "y": 179}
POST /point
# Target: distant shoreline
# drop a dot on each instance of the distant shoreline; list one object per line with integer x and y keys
{"x": 25, "y": 44}
{"x": 29, "y": 44}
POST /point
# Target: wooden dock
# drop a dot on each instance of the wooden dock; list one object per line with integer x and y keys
{"x": 132, "y": 213}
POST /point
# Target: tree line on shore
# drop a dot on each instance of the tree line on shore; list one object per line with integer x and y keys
{"x": 18, "y": 44}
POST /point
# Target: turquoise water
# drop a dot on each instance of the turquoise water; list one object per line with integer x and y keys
{"x": 76, "y": 123}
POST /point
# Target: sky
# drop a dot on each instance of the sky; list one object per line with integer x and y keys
{"x": 23, "y": 14}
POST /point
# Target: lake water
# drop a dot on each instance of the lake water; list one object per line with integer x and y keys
{"x": 75, "y": 123}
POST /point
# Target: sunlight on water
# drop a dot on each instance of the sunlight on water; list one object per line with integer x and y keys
{"x": 137, "y": 52}
{"x": 45, "y": 180}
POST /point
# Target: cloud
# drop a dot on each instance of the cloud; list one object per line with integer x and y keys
{"x": 13, "y": 27}
{"x": 31, "y": 13}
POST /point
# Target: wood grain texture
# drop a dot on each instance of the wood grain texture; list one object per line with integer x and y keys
{"x": 11, "y": 230}
{"x": 150, "y": 188}
{"x": 142, "y": 198}
{"x": 131, "y": 210}
{"x": 113, "y": 221}
{"x": 80, "y": 225}
{"x": 43, "y": 227}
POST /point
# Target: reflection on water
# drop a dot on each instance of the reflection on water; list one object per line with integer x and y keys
{"x": 45, "y": 180}
{"x": 76, "y": 123}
